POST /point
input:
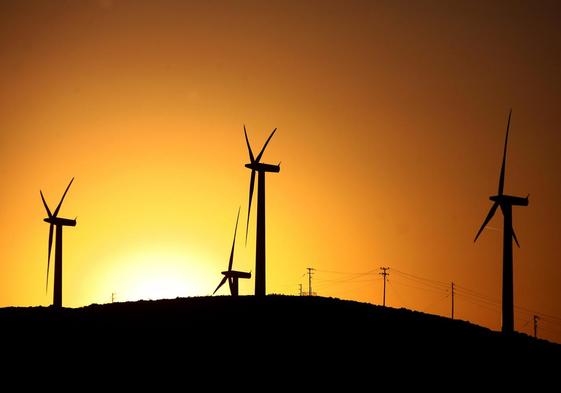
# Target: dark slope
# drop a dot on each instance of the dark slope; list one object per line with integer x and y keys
{"x": 295, "y": 330}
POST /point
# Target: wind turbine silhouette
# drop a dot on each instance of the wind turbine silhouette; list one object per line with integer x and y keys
{"x": 57, "y": 222}
{"x": 230, "y": 275}
{"x": 256, "y": 166}
{"x": 506, "y": 202}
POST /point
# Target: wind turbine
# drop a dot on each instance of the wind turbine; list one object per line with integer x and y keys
{"x": 57, "y": 222}
{"x": 256, "y": 166}
{"x": 505, "y": 202}
{"x": 230, "y": 275}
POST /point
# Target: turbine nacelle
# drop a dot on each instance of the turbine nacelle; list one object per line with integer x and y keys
{"x": 236, "y": 274}
{"x": 259, "y": 167}
{"x": 60, "y": 221}
{"x": 509, "y": 199}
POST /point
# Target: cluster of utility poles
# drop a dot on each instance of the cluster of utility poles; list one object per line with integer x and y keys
{"x": 384, "y": 273}
{"x": 310, "y": 273}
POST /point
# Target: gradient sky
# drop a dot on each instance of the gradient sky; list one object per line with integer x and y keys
{"x": 390, "y": 116}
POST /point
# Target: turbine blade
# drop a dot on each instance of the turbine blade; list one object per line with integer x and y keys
{"x": 234, "y": 242}
{"x": 219, "y": 285}
{"x": 49, "y": 256}
{"x": 248, "y": 145}
{"x": 231, "y": 285}
{"x": 502, "y": 176}
{"x": 487, "y": 219}
{"x": 251, "y": 184}
{"x": 265, "y": 145}
{"x": 515, "y": 239}
{"x": 45, "y": 203}
{"x": 62, "y": 199}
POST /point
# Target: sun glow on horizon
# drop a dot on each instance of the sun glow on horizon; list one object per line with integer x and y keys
{"x": 158, "y": 274}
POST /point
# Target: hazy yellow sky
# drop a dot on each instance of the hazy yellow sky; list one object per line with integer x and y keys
{"x": 390, "y": 117}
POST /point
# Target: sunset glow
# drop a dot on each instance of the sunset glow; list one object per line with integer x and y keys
{"x": 390, "y": 117}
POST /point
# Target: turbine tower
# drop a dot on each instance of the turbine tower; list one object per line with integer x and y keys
{"x": 256, "y": 166}
{"x": 230, "y": 275}
{"x": 57, "y": 222}
{"x": 505, "y": 202}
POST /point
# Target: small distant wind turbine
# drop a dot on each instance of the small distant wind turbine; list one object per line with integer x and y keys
{"x": 230, "y": 275}
{"x": 505, "y": 202}
{"x": 57, "y": 222}
{"x": 256, "y": 166}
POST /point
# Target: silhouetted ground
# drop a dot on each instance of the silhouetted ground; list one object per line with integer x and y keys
{"x": 292, "y": 333}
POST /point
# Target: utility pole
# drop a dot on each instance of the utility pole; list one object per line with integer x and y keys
{"x": 385, "y": 274}
{"x": 452, "y": 300}
{"x": 113, "y": 297}
{"x": 310, "y": 269}
{"x": 536, "y": 319}
{"x": 300, "y": 286}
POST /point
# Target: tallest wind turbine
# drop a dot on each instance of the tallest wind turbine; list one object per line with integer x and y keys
{"x": 256, "y": 166}
{"x": 505, "y": 202}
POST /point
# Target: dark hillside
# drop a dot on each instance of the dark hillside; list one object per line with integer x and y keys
{"x": 287, "y": 329}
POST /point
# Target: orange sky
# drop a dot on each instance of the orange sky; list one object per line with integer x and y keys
{"x": 390, "y": 118}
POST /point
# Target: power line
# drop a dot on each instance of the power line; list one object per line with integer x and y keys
{"x": 435, "y": 301}
{"x": 480, "y": 304}
{"x": 427, "y": 284}
{"x": 397, "y": 279}
{"x": 357, "y": 288}
{"x": 437, "y": 282}
{"x": 542, "y": 315}
{"x": 328, "y": 280}
{"x": 492, "y": 307}
{"x": 485, "y": 301}
{"x": 477, "y": 299}
{"x": 526, "y": 324}
{"x": 461, "y": 287}
{"x": 396, "y": 293}
{"x": 555, "y": 330}
{"x": 323, "y": 283}
{"x": 329, "y": 284}
{"x": 373, "y": 271}
{"x": 471, "y": 293}
{"x": 436, "y": 286}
